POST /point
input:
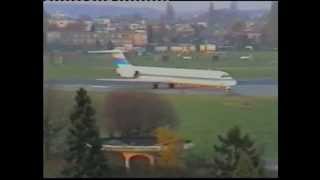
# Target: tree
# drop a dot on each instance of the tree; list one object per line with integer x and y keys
{"x": 138, "y": 113}
{"x": 197, "y": 36}
{"x": 165, "y": 57}
{"x": 110, "y": 45}
{"x": 137, "y": 16}
{"x": 215, "y": 57}
{"x": 238, "y": 26}
{"x": 165, "y": 35}
{"x": 45, "y": 31}
{"x": 270, "y": 31}
{"x": 237, "y": 36}
{"x": 197, "y": 44}
{"x": 234, "y": 6}
{"x": 84, "y": 156}
{"x": 98, "y": 43}
{"x": 170, "y": 16}
{"x": 93, "y": 28}
{"x": 211, "y": 14}
{"x": 45, "y": 47}
{"x": 172, "y": 147}
{"x": 232, "y": 154}
{"x": 84, "y": 17}
{"x": 245, "y": 167}
{"x": 150, "y": 34}
{"x": 51, "y": 127}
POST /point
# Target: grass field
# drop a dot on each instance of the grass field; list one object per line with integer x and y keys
{"x": 204, "y": 117}
{"x": 201, "y": 117}
{"x": 263, "y": 65}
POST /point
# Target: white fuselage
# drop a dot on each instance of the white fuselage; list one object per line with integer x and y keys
{"x": 177, "y": 75}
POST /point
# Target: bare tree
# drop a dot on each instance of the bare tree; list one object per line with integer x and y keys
{"x": 270, "y": 31}
{"x": 170, "y": 13}
{"x": 137, "y": 113}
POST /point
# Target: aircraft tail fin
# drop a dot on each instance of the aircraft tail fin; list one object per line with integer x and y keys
{"x": 119, "y": 59}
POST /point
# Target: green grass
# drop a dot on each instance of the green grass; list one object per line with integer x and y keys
{"x": 53, "y": 168}
{"x": 68, "y": 72}
{"x": 263, "y": 65}
{"x": 202, "y": 117}
{"x": 81, "y": 67}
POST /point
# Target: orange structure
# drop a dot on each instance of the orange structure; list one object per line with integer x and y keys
{"x": 130, "y": 151}
{"x": 128, "y": 155}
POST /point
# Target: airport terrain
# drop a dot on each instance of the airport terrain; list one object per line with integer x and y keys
{"x": 203, "y": 112}
{"x": 263, "y": 65}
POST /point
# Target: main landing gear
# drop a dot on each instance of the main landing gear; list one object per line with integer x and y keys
{"x": 171, "y": 85}
{"x": 155, "y": 86}
{"x": 228, "y": 89}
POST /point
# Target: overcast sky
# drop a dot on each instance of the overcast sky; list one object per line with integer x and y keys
{"x": 180, "y": 6}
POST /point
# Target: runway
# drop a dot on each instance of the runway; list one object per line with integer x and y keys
{"x": 262, "y": 87}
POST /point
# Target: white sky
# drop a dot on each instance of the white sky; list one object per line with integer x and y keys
{"x": 179, "y": 6}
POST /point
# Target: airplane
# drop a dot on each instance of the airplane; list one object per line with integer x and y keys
{"x": 170, "y": 76}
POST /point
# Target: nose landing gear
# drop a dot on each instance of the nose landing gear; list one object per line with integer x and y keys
{"x": 227, "y": 89}
{"x": 136, "y": 74}
{"x": 171, "y": 85}
{"x": 155, "y": 86}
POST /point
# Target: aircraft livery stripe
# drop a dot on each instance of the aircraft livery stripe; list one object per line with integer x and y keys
{"x": 184, "y": 77}
{"x": 121, "y": 61}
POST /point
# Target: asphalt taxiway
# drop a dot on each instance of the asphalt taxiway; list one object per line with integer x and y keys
{"x": 262, "y": 87}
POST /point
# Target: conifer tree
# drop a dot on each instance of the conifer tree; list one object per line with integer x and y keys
{"x": 110, "y": 45}
{"x": 170, "y": 16}
{"x": 234, "y": 149}
{"x": 45, "y": 31}
{"x": 245, "y": 167}
{"x": 270, "y": 30}
{"x": 51, "y": 127}
{"x": 234, "y": 6}
{"x": 211, "y": 14}
{"x": 273, "y": 23}
{"x": 84, "y": 156}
